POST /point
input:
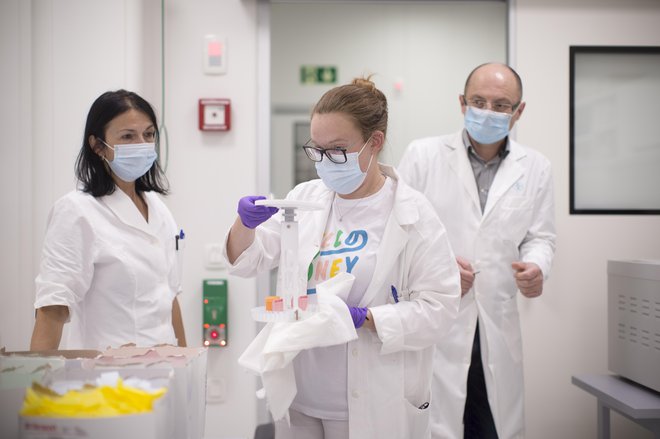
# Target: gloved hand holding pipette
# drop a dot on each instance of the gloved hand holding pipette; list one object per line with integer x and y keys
{"x": 253, "y": 215}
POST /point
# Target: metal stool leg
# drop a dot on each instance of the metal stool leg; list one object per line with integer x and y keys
{"x": 603, "y": 421}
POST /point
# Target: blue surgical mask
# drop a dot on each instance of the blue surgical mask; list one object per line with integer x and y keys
{"x": 486, "y": 126}
{"x": 343, "y": 178}
{"x": 132, "y": 160}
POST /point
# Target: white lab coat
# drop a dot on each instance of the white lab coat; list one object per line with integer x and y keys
{"x": 117, "y": 273}
{"x": 389, "y": 372}
{"x": 517, "y": 224}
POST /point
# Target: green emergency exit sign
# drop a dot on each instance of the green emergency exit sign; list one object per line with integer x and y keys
{"x": 318, "y": 74}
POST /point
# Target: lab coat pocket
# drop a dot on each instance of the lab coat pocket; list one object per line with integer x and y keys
{"x": 176, "y": 270}
{"x": 515, "y": 217}
{"x": 418, "y": 419}
{"x": 517, "y": 202}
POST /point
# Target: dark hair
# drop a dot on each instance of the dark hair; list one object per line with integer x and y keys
{"x": 91, "y": 170}
{"x": 515, "y": 75}
{"x": 360, "y": 100}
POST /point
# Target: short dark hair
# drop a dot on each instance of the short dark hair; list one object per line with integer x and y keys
{"x": 91, "y": 171}
{"x": 515, "y": 75}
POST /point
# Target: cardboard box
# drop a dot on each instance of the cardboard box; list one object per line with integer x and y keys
{"x": 142, "y": 426}
{"x": 157, "y": 424}
{"x": 17, "y": 372}
{"x": 187, "y": 390}
{"x": 188, "y": 387}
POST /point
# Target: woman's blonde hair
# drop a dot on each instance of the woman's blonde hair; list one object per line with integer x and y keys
{"x": 360, "y": 100}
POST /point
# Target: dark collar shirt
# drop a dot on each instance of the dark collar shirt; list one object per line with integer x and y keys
{"x": 484, "y": 171}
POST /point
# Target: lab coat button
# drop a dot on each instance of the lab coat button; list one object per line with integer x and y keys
{"x": 355, "y": 352}
{"x": 355, "y": 394}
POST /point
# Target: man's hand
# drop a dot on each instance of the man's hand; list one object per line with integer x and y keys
{"x": 467, "y": 274}
{"x": 529, "y": 278}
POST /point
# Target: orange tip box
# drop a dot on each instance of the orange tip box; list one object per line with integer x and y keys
{"x": 274, "y": 303}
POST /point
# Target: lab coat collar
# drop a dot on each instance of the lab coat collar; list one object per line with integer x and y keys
{"x": 502, "y": 153}
{"x": 509, "y": 171}
{"x": 126, "y": 211}
{"x": 404, "y": 208}
{"x": 404, "y": 212}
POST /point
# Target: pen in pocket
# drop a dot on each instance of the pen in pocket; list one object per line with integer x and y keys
{"x": 177, "y": 238}
{"x": 395, "y": 295}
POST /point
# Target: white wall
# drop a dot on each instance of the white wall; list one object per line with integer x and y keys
{"x": 209, "y": 172}
{"x": 57, "y": 57}
{"x": 565, "y": 331}
{"x": 52, "y": 69}
{"x": 16, "y": 270}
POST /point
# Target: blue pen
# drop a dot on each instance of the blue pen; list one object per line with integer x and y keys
{"x": 395, "y": 295}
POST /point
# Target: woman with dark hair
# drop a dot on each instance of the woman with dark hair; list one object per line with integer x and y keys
{"x": 110, "y": 266}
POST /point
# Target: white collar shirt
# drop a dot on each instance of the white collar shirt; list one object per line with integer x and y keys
{"x": 116, "y": 272}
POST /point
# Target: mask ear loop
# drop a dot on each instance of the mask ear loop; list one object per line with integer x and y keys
{"x": 370, "y": 158}
{"x": 369, "y": 165}
{"x": 103, "y": 141}
{"x": 103, "y": 156}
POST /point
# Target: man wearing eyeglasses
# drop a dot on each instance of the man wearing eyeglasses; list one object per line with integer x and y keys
{"x": 495, "y": 198}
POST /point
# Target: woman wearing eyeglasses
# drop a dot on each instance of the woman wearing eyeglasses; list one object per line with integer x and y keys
{"x": 406, "y": 291}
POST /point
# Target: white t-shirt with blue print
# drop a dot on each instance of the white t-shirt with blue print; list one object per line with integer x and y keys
{"x": 350, "y": 242}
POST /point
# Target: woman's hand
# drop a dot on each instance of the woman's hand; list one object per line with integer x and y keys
{"x": 253, "y": 215}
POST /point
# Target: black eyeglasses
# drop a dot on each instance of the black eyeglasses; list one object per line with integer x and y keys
{"x": 315, "y": 153}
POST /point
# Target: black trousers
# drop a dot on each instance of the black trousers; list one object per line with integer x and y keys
{"x": 477, "y": 419}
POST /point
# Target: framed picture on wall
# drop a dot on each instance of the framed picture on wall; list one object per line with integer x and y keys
{"x": 615, "y": 130}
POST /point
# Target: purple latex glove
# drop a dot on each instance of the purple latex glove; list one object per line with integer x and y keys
{"x": 253, "y": 215}
{"x": 358, "y": 315}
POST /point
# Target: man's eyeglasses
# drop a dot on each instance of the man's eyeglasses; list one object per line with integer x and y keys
{"x": 499, "y": 107}
{"x": 315, "y": 154}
